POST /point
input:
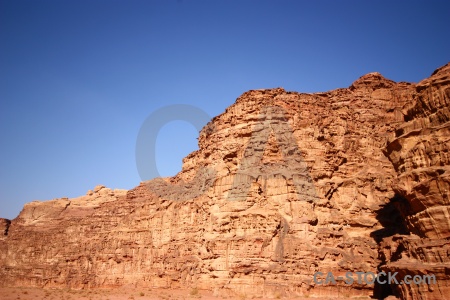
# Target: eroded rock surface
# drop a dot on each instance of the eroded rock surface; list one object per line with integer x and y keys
{"x": 283, "y": 185}
{"x": 420, "y": 154}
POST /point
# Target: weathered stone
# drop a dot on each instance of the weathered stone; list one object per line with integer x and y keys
{"x": 420, "y": 155}
{"x": 283, "y": 185}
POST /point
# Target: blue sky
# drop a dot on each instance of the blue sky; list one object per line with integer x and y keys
{"x": 78, "y": 78}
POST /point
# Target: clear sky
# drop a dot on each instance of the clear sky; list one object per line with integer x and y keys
{"x": 78, "y": 78}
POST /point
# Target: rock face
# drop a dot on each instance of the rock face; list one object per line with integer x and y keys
{"x": 283, "y": 185}
{"x": 421, "y": 158}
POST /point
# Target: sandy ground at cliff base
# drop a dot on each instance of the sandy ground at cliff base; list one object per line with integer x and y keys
{"x": 25, "y": 293}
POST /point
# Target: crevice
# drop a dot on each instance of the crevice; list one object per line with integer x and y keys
{"x": 281, "y": 230}
{"x": 7, "y": 224}
{"x": 392, "y": 218}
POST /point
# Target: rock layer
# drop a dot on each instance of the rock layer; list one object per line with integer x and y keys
{"x": 420, "y": 156}
{"x": 283, "y": 185}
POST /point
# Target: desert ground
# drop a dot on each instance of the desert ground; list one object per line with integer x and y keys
{"x": 25, "y": 293}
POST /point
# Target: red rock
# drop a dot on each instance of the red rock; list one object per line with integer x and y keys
{"x": 329, "y": 182}
{"x": 420, "y": 155}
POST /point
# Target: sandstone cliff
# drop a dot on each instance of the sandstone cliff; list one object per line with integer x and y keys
{"x": 283, "y": 185}
{"x": 420, "y": 156}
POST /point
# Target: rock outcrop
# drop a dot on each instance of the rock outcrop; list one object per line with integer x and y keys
{"x": 284, "y": 185}
{"x": 420, "y": 154}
